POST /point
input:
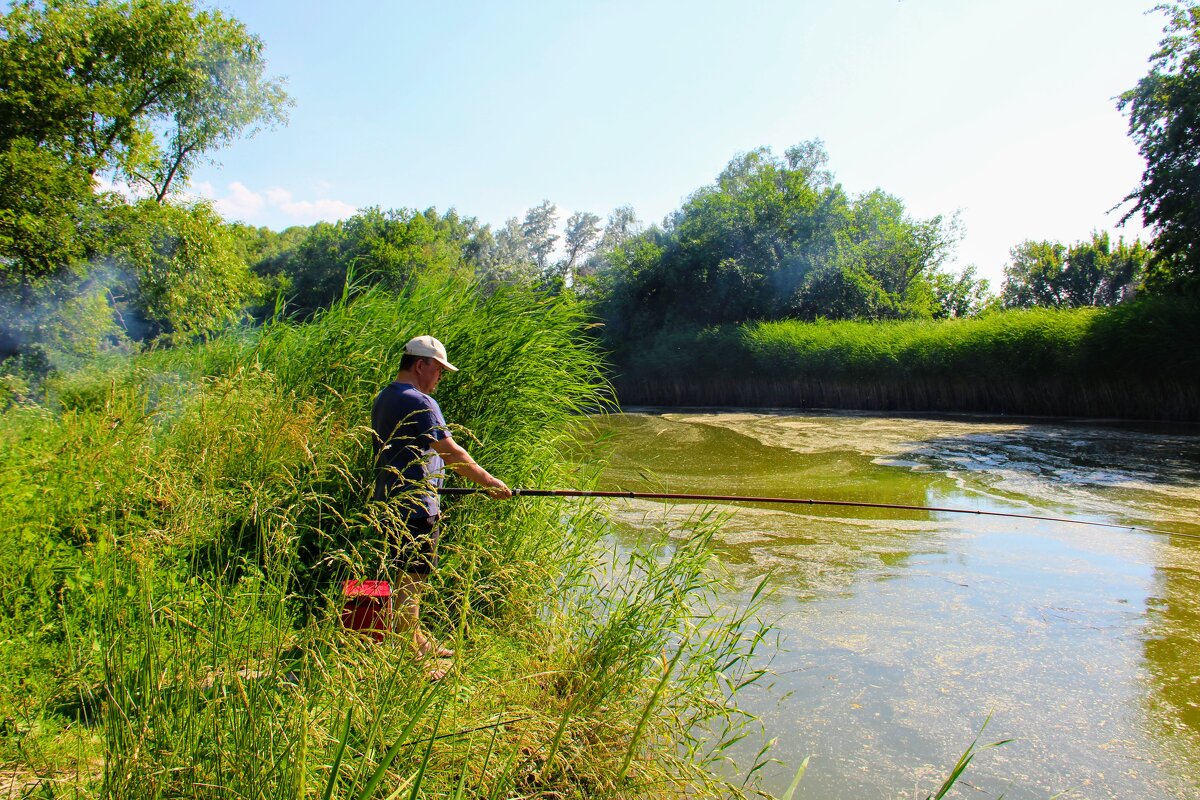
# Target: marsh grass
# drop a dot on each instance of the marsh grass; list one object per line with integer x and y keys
{"x": 1133, "y": 361}
{"x": 174, "y": 527}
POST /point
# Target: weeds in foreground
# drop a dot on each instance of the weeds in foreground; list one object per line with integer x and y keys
{"x": 175, "y": 527}
{"x": 965, "y": 760}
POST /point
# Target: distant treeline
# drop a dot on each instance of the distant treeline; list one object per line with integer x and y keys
{"x": 773, "y": 239}
{"x": 1136, "y": 361}
{"x": 774, "y": 287}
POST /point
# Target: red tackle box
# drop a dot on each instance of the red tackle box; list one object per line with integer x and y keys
{"x": 368, "y": 607}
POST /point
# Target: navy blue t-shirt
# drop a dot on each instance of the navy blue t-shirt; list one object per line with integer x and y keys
{"x": 407, "y": 422}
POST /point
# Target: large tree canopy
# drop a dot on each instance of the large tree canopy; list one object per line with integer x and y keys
{"x": 44, "y": 214}
{"x": 182, "y": 263}
{"x": 1164, "y": 120}
{"x": 140, "y": 90}
{"x": 1088, "y": 273}
{"x": 772, "y": 238}
{"x": 373, "y": 246}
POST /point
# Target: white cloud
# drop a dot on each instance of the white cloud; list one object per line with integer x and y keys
{"x": 308, "y": 211}
{"x": 273, "y": 206}
{"x": 239, "y": 202}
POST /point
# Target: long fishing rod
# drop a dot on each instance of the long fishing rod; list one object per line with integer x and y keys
{"x": 719, "y": 498}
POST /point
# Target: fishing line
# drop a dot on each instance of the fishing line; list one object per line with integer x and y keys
{"x": 719, "y": 498}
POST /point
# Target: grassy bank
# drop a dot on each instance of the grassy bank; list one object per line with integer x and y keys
{"x": 1137, "y": 361}
{"x": 174, "y": 528}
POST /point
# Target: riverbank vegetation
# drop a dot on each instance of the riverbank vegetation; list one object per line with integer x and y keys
{"x": 1127, "y": 361}
{"x": 176, "y": 527}
{"x": 772, "y": 287}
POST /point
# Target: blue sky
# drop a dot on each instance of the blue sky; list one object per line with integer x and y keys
{"x": 1001, "y": 111}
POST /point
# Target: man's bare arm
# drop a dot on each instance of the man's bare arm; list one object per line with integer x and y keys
{"x": 460, "y": 461}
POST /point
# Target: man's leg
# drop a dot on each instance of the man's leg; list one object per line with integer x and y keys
{"x": 406, "y": 599}
{"x": 406, "y": 602}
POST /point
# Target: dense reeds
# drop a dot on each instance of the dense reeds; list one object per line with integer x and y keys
{"x": 174, "y": 529}
{"x": 1136, "y": 361}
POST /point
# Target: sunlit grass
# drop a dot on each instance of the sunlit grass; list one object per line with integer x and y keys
{"x": 174, "y": 527}
{"x": 1129, "y": 361}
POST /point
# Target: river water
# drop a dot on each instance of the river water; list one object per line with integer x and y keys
{"x": 902, "y": 632}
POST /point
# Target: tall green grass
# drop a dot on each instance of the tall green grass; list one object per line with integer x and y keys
{"x": 174, "y": 527}
{"x": 1134, "y": 361}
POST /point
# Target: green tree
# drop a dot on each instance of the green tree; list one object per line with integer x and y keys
{"x": 82, "y": 323}
{"x": 538, "y": 232}
{"x": 1031, "y": 275}
{"x": 621, "y": 226}
{"x": 582, "y": 232}
{"x": 505, "y": 257}
{"x": 375, "y": 247}
{"x": 186, "y": 273}
{"x": 895, "y": 249}
{"x": 772, "y": 238}
{"x": 1164, "y": 120}
{"x": 1087, "y": 273}
{"x": 1099, "y": 273}
{"x": 962, "y": 295}
{"x": 45, "y": 209}
{"x": 595, "y": 272}
{"x": 143, "y": 90}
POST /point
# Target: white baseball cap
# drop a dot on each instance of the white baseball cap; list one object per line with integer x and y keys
{"x": 429, "y": 347}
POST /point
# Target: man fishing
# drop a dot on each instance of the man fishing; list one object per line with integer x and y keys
{"x": 412, "y": 449}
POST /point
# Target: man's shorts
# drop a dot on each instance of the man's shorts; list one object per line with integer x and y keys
{"x": 416, "y": 543}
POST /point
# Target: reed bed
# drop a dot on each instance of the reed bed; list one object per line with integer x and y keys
{"x": 174, "y": 529}
{"x": 1134, "y": 361}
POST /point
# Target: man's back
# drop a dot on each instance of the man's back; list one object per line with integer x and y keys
{"x": 407, "y": 422}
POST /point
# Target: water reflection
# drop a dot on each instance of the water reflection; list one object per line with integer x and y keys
{"x": 905, "y": 629}
{"x": 1172, "y": 652}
